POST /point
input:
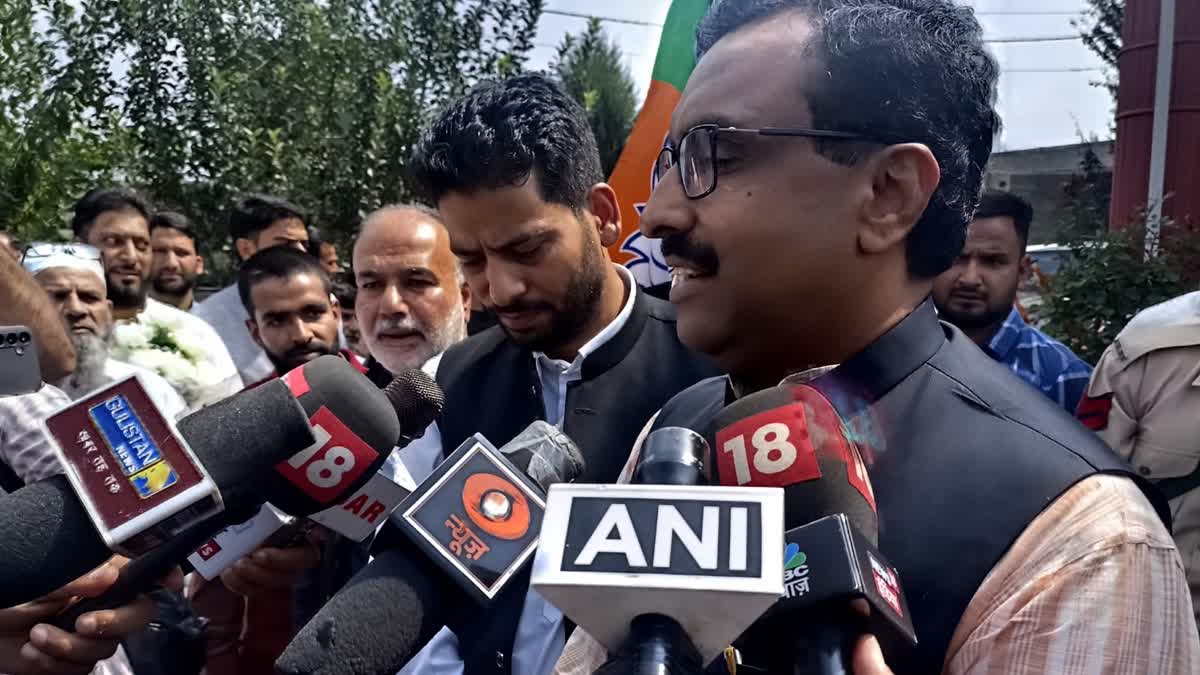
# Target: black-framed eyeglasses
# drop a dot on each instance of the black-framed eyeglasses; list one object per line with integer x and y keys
{"x": 697, "y": 151}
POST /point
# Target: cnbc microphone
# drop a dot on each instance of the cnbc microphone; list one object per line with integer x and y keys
{"x": 465, "y": 532}
{"x": 792, "y": 437}
{"x": 667, "y": 571}
{"x": 128, "y": 467}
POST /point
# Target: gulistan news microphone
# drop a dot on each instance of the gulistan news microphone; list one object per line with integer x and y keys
{"x": 467, "y": 530}
{"x": 66, "y": 525}
{"x": 792, "y": 436}
{"x": 323, "y": 387}
{"x": 641, "y": 567}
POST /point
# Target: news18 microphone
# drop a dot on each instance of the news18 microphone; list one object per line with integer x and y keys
{"x": 64, "y": 526}
{"x": 664, "y": 575}
{"x": 465, "y": 533}
{"x": 791, "y": 436}
{"x": 417, "y": 401}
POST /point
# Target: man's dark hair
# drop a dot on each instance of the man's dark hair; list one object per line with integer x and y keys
{"x": 277, "y": 262}
{"x": 501, "y": 133}
{"x": 175, "y": 221}
{"x": 345, "y": 292}
{"x": 997, "y": 204}
{"x": 902, "y": 71}
{"x": 254, "y": 213}
{"x": 103, "y": 200}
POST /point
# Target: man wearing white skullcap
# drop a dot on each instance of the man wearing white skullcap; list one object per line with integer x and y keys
{"x": 74, "y": 278}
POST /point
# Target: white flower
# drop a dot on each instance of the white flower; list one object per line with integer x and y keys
{"x": 130, "y": 336}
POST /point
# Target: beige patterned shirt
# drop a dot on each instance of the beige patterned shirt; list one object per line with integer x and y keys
{"x": 1094, "y": 586}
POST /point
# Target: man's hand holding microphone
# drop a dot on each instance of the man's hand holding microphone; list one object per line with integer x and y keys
{"x": 29, "y": 645}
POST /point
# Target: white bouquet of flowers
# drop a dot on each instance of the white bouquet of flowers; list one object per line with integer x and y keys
{"x": 163, "y": 346}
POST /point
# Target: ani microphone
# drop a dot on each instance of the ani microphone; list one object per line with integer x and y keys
{"x": 664, "y": 575}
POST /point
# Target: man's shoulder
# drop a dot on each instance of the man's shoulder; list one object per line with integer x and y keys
{"x": 472, "y": 352}
{"x": 1056, "y": 358}
{"x": 225, "y": 302}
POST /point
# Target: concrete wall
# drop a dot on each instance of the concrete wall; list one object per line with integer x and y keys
{"x": 1039, "y": 175}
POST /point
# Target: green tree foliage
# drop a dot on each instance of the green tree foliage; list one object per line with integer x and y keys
{"x": 1110, "y": 279}
{"x": 195, "y": 101}
{"x": 1088, "y": 194}
{"x": 1100, "y": 29}
{"x": 592, "y": 71}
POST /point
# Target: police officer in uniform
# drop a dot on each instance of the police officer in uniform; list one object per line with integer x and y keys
{"x": 1144, "y": 401}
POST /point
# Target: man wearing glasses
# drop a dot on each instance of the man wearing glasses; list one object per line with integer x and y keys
{"x": 821, "y": 169}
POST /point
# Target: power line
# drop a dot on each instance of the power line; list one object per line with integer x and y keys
{"x": 1036, "y": 38}
{"x": 610, "y": 19}
{"x": 1045, "y": 12}
{"x": 1081, "y": 69}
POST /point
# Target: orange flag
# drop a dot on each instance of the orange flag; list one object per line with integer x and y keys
{"x": 632, "y": 177}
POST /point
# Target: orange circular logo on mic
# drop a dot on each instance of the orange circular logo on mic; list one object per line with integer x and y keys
{"x": 497, "y": 506}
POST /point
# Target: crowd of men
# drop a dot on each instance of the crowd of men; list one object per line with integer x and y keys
{"x": 847, "y": 221}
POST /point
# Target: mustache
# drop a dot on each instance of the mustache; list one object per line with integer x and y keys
{"x": 519, "y": 306}
{"x": 317, "y": 346}
{"x": 702, "y": 256}
{"x": 407, "y": 323}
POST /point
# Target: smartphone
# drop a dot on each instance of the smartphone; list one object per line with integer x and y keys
{"x": 19, "y": 369}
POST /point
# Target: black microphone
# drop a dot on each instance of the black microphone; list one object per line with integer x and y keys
{"x": 58, "y": 533}
{"x": 467, "y": 530}
{"x": 791, "y": 436}
{"x": 413, "y": 394}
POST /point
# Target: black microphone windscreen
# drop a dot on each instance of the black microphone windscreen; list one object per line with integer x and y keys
{"x": 418, "y": 400}
{"x": 792, "y": 437}
{"x": 42, "y": 522}
{"x": 383, "y": 617}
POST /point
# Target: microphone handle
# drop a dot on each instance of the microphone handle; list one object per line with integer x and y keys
{"x": 145, "y": 572}
{"x": 657, "y": 645}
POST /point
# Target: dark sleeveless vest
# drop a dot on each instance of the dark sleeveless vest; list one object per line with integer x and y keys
{"x": 492, "y": 387}
{"x": 962, "y": 457}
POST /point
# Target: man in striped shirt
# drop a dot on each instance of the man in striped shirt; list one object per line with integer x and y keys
{"x": 978, "y": 293}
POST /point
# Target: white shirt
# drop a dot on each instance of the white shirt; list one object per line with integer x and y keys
{"x": 226, "y": 313}
{"x": 169, "y": 402}
{"x": 540, "y": 636}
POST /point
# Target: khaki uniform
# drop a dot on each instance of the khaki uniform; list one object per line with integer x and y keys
{"x": 1144, "y": 401}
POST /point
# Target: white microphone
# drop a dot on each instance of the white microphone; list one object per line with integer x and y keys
{"x": 628, "y": 562}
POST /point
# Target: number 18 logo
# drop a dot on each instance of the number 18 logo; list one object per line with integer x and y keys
{"x": 324, "y": 469}
{"x": 770, "y": 449}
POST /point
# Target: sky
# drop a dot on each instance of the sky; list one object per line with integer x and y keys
{"x": 1039, "y": 108}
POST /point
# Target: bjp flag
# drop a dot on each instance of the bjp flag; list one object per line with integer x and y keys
{"x": 632, "y": 178}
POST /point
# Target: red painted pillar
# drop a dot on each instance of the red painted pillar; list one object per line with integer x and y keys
{"x": 1135, "y": 114}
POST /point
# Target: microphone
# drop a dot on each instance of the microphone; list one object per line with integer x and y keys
{"x": 474, "y": 523}
{"x": 641, "y": 567}
{"x": 59, "y": 534}
{"x": 791, "y": 436}
{"x": 417, "y": 400}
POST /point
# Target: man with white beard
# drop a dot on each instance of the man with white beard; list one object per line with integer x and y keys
{"x": 73, "y": 277}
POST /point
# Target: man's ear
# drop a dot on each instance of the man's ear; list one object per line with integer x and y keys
{"x": 199, "y": 265}
{"x": 253, "y": 326}
{"x": 245, "y": 248}
{"x": 1026, "y": 267}
{"x": 903, "y": 180}
{"x": 465, "y": 289}
{"x": 603, "y": 205}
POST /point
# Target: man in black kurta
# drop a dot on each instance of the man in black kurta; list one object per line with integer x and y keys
{"x": 514, "y": 171}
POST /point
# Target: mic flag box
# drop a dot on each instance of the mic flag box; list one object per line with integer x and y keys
{"x": 477, "y": 517}
{"x": 136, "y": 476}
{"x": 706, "y": 556}
{"x": 827, "y": 561}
